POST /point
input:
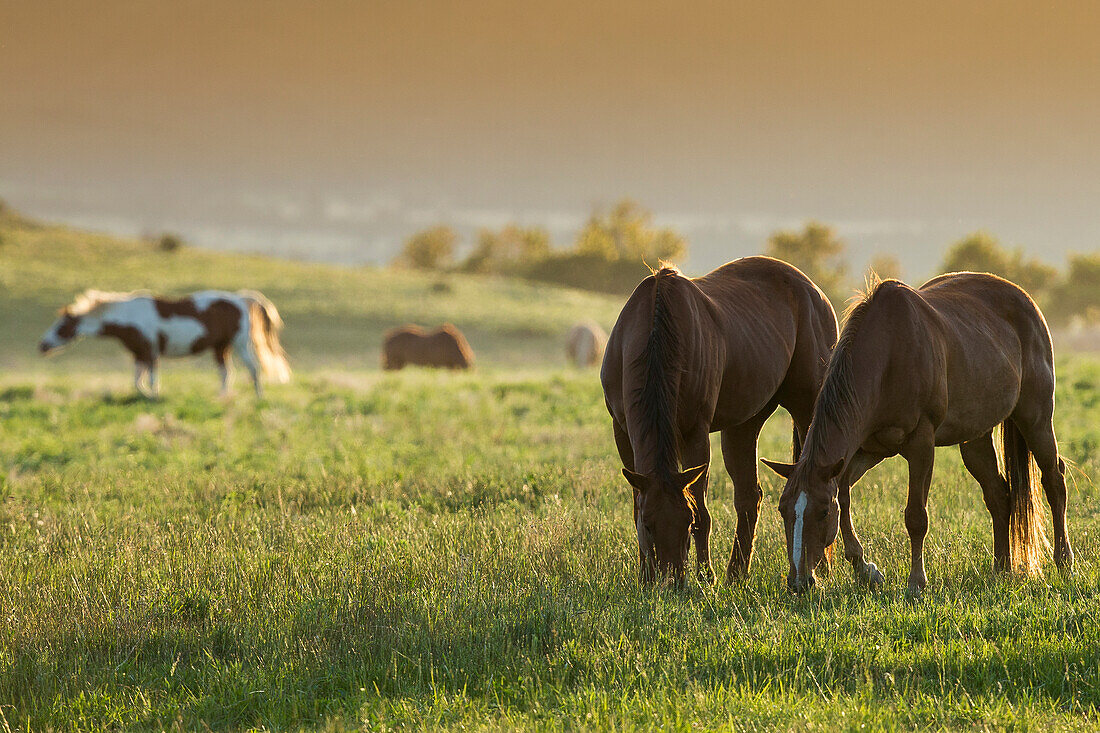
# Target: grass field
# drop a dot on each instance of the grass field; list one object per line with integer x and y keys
{"x": 424, "y": 550}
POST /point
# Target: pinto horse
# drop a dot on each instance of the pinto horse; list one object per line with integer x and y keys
{"x": 151, "y": 327}
{"x": 692, "y": 356}
{"x": 914, "y": 369}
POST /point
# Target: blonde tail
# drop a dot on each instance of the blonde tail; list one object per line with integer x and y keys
{"x": 1028, "y": 543}
{"x": 264, "y": 325}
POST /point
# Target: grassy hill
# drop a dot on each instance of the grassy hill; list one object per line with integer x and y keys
{"x": 424, "y": 550}
{"x": 335, "y": 316}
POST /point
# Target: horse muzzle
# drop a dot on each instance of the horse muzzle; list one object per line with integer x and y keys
{"x": 800, "y": 584}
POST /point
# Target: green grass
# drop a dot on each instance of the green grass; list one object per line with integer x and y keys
{"x": 424, "y": 550}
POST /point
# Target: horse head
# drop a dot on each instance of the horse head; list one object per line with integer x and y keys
{"x": 811, "y": 516}
{"x": 62, "y": 332}
{"x": 664, "y": 512}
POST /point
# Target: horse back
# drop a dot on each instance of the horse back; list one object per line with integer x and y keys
{"x": 741, "y": 328}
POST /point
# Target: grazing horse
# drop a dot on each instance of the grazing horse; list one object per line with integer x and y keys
{"x": 914, "y": 369}
{"x": 151, "y": 327}
{"x": 692, "y": 356}
{"x": 585, "y": 343}
{"x": 411, "y": 345}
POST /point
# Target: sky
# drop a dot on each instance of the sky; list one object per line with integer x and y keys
{"x": 332, "y": 130}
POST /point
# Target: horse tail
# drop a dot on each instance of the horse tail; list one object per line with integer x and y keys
{"x": 1027, "y": 540}
{"x": 264, "y": 324}
{"x": 796, "y": 443}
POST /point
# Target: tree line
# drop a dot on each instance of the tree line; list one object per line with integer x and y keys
{"x": 616, "y": 246}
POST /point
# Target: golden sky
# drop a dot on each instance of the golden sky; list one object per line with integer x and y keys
{"x": 945, "y": 112}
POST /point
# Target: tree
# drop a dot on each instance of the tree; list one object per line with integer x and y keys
{"x": 430, "y": 249}
{"x": 818, "y": 252}
{"x": 981, "y": 252}
{"x": 626, "y": 232}
{"x": 886, "y": 266}
{"x": 1079, "y": 293}
{"x": 510, "y": 248}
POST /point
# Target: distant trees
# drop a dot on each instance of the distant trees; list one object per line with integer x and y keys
{"x": 981, "y": 252}
{"x": 626, "y": 232}
{"x": 615, "y": 247}
{"x": 886, "y": 266}
{"x": 609, "y": 254}
{"x": 1078, "y": 293}
{"x": 819, "y": 253}
{"x": 508, "y": 250}
{"x": 430, "y": 249}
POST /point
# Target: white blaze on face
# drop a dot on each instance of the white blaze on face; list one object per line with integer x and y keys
{"x": 796, "y": 544}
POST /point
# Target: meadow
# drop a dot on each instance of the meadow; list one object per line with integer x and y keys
{"x": 429, "y": 551}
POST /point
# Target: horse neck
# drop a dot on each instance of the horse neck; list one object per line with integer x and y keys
{"x": 92, "y": 323}
{"x": 844, "y": 407}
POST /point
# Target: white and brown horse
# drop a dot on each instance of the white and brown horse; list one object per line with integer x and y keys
{"x": 151, "y": 327}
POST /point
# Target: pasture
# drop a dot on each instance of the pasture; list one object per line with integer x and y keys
{"x": 427, "y": 550}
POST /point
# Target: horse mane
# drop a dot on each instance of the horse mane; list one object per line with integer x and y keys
{"x": 837, "y": 400}
{"x": 661, "y": 363}
{"x": 92, "y": 301}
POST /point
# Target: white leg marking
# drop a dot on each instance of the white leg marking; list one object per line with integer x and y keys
{"x": 796, "y": 545}
{"x": 139, "y": 372}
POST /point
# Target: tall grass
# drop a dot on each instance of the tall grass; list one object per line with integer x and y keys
{"x": 423, "y": 550}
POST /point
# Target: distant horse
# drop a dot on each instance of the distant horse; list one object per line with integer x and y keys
{"x": 151, "y": 327}
{"x": 914, "y": 369}
{"x": 411, "y": 345}
{"x": 585, "y": 343}
{"x": 691, "y": 356}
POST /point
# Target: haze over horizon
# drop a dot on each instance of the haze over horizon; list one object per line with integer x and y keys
{"x": 332, "y": 132}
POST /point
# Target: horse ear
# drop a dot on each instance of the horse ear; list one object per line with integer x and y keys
{"x": 690, "y": 476}
{"x": 637, "y": 480}
{"x": 783, "y": 469}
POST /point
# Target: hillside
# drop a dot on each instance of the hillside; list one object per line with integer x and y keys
{"x": 335, "y": 316}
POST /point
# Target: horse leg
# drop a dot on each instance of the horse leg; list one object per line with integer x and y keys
{"x": 1044, "y": 447}
{"x": 154, "y": 384}
{"x": 243, "y": 346}
{"x": 646, "y": 570}
{"x": 739, "y": 455}
{"x": 140, "y": 367}
{"x": 980, "y": 460}
{"x": 865, "y": 572}
{"x": 697, "y": 453}
{"x": 221, "y": 354}
{"x": 920, "y": 452}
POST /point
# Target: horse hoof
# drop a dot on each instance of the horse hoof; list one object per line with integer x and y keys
{"x": 1064, "y": 562}
{"x": 870, "y": 576}
{"x": 914, "y": 592}
{"x": 875, "y": 578}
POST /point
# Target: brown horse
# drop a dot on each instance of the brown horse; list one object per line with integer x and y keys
{"x": 411, "y": 345}
{"x": 942, "y": 365}
{"x": 691, "y": 356}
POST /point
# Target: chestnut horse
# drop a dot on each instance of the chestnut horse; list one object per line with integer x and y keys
{"x": 692, "y": 356}
{"x": 914, "y": 369}
{"x": 411, "y": 345}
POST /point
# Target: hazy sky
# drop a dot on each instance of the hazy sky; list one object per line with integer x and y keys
{"x": 334, "y": 128}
